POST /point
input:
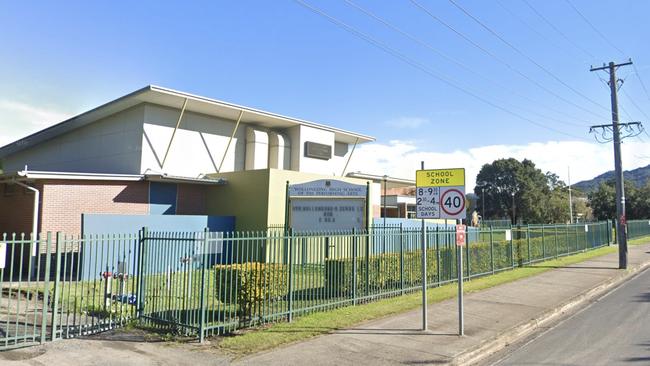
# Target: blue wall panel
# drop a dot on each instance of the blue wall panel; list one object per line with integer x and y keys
{"x": 162, "y": 198}
{"x": 103, "y": 227}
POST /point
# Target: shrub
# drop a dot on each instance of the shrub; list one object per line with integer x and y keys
{"x": 250, "y": 285}
{"x": 383, "y": 270}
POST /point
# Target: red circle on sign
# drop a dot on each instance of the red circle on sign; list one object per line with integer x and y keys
{"x": 462, "y": 199}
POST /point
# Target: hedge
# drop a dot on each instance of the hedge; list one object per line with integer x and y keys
{"x": 250, "y": 285}
{"x": 382, "y": 271}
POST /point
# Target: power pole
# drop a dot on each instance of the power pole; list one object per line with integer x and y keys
{"x": 620, "y": 189}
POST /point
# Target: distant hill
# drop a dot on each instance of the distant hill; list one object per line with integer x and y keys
{"x": 639, "y": 176}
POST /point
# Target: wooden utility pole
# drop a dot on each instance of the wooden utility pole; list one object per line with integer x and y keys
{"x": 620, "y": 186}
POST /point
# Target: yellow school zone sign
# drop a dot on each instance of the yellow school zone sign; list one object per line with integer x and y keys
{"x": 440, "y": 177}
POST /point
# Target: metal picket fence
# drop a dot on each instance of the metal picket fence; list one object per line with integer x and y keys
{"x": 638, "y": 228}
{"x": 202, "y": 283}
{"x": 64, "y": 286}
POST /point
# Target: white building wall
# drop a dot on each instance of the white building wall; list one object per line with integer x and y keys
{"x": 134, "y": 141}
{"x": 198, "y": 145}
{"x": 257, "y": 149}
{"x": 279, "y": 151}
{"x": 301, "y": 134}
{"x": 110, "y": 145}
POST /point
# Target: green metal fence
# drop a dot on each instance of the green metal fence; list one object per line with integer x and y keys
{"x": 213, "y": 283}
{"x": 638, "y": 228}
{"x": 63, "y": 286}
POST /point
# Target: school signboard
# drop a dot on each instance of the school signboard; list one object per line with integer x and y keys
{"x": 326, "y": 205}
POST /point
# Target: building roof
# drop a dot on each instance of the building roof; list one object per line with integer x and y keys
{"x": 391, "y": 182}
{"x": 175, "y": 99}
{"x": 26, "y": 175}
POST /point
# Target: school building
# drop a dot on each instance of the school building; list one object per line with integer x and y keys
{"x": 160, "y": 152}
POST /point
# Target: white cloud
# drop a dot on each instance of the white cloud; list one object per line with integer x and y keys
{"x": 587, "y": 160}
{"x": 18, "y": 119}
{"x": 407, "y": 122}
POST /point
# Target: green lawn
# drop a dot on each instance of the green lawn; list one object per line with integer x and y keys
{"x": 308, "y": 326}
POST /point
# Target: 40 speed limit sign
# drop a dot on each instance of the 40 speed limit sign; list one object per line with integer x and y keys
{"x": 440, "y": 194}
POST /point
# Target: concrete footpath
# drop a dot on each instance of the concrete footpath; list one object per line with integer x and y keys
{"x": 493, "y": 318}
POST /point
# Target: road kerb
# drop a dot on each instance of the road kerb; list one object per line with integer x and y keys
{"x": 518, "y": 332}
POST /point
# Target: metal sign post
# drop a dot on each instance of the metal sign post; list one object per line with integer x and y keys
{"x": 424, "y": 271}
{"x": 460, "y": 243}
{"x": 440, "y": 194}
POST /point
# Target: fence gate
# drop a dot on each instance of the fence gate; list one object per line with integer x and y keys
{"x": 24, "y": 318}
{"x": 171, "y": 278}
{"x": 63, "y": 287}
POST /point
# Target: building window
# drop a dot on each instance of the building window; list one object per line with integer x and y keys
{"x": 410, "y": 211}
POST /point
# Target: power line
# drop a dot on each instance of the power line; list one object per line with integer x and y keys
{"x": 521, "y": 53}
{"x": 505, "y": 63}
{"x": 558, "y": 31}
{"x": 462, "y": 65}
{"x": 641, "y": 81}
{"x": 399, "y": 55}
{"x": 531, "y": 28}
{"x": 594, "y": 28}
{"x": 635, "y": 105}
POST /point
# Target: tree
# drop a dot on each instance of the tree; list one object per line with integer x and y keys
{"x": 521, "y": 191}
{"x": 637, "y": 201}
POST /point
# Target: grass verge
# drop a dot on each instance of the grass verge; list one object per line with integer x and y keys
{"x": 311, "y": 325}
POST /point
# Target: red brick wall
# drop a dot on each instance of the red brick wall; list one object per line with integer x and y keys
{"x": 63, "y": 202}
{"x": 16, "y": 210}
{"x": 402, "y": 191}
{"x": 191, "y": 199}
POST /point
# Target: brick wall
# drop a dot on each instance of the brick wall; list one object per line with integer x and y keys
{"x": 16, "y": 206}
{"x": 191, "y": 199}
{"x": 401, "y": 191}
{"x": 64, "y": 201}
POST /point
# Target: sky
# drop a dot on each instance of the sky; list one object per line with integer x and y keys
{"x": 454, "y": 83}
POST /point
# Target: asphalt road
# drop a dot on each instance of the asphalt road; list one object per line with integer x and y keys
{"x": 613, "y": 331}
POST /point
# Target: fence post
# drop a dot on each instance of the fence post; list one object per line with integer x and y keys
{"x": 401, "y": 257}
{"x": 55, "y": 295}
{"x": 528, "y": 239}
{"x": 543, "y": 243}
{"x": 467, "y": 265}
{"x": 290, "y": 261}
{"x": 608, "y": 228}
{"x": 367, "y": 240}
{"x": 491, "y": 250}
{"x": 556, "y": 244}
{"x": 204, "y": 263}
{"x": 144, "y": 236}
{"x": 566, "y": 229}
{"x": 438, "y": 272}
{"x": 354, "y": 267}
{"x": 512, "y": 248}
{"x": 46, "y": 287}
{"x": 469, "y": 268}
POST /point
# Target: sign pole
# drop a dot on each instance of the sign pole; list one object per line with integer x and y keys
{"x": 460, "y": 241}
{"x": 424, "y": 270}
{"x": 440, "y": 194}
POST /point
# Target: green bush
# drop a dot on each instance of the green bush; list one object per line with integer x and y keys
{"x": 250, "y": 285}
{"x": 383, "y": 271}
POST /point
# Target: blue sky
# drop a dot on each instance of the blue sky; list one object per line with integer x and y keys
{"x": 59, "y": 59}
